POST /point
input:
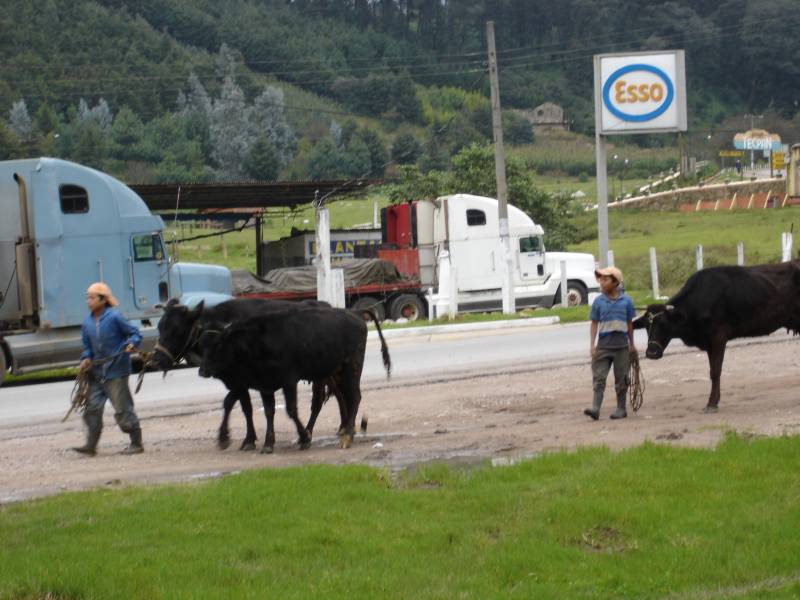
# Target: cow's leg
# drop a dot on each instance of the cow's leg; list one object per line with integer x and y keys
{"x": 716, "y": 354}
{"x": 351, "y": 391}
{"x": 223, "y": 437}
{"x": 290, "y": 396}
{"x": 268, "y": 400}
{"x": 317, "y": 400}
{"x": 249, "y": 441}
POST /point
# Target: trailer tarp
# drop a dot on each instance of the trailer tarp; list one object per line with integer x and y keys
{"x": 357, "y": 271}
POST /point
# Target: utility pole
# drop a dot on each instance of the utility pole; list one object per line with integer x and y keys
{"x": 500, "y": 174}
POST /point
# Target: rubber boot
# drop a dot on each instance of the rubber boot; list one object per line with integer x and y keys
{"x": 90, "y": 447}
{"x": 135, "y": 447}
{"x": 620, "y": 413}
{"x": 594, "y": 412}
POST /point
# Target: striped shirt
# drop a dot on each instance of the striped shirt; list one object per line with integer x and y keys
{"x": 612, "y": 316}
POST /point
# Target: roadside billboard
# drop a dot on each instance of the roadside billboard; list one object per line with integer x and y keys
{"x": 641, "y": 92}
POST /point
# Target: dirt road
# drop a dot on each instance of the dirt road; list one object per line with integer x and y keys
{"x": 500, "y": 416}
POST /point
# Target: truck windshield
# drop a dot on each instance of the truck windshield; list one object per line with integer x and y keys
{"x": 147, "y": 246}
{"x": 530, "y": 244}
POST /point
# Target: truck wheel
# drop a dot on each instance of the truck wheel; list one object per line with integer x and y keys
{"x": 407, "y": 307}
{"x": 577, "y": 293}
{"x": 370, "y": 303}
{"x": 3, "y": 366}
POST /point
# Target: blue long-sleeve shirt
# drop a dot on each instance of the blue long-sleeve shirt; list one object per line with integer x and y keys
{"x": 106, "y": 336}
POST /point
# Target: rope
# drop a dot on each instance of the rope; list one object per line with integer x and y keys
{"x": 79, "y": 396}
{"x": 636, "y": 385}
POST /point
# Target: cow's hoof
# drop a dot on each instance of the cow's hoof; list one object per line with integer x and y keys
{"x": 364, "y": 421}
{"x": 711, "y": 409}
{"x": 304, "y": 444}
{"x": 223, "y": 444}
{"x": 345, "y": 441}
{"x": 267, "y": 450}
{"x": 247, "y": 446}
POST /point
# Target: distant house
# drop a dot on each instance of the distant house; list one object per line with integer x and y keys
{"x": 546, "y": 116}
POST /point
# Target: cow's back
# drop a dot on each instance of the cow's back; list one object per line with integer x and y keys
{"x": 744, "y": 301}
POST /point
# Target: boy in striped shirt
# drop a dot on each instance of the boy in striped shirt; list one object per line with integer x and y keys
{"x": 612, "y": 340}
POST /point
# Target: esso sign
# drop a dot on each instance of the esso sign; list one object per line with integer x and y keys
{"x": 638, "y": 92}
{"x": 641, "y": 92}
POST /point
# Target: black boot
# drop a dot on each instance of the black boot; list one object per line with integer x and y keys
{"x": 597, "y": 401}
{"x": 620, "y": 413}
{"x": 90, "y": 447}
{"x": 135, "y": 447}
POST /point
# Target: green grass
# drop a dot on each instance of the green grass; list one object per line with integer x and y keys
{"x": 649, "y": 522}
{"x": 675, "y": 235}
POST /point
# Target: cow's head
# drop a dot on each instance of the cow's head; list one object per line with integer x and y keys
{"x": 660, "y": 321}
{"x": 178, "y": 329}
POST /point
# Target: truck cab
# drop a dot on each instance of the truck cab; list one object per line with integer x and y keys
{"x": 65, "y": 226}
{"x": 468, "y": 226}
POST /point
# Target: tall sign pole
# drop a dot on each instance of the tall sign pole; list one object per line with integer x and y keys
{"x": 500, "y": 175}
{"x": 602, "y": 176}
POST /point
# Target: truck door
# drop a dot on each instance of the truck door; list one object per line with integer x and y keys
{"x": 148, "y": 269}
{"x": 531, "y": 259}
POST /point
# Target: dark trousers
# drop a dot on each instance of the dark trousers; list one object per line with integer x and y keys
{"x": 601, "y": 364}
{"x": 119, "y": 394}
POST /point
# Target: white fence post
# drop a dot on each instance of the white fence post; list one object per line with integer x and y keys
{"x": 654, "y": 273}
{"x": 610, "y": 258}
{"x": 787, "y": 242}
{"x": 698, "y": 253}
{"x": 452, "y": 309}
{"x": 740, "y": 254}
{"x": 564, "y": 296}
{"x": 337, "y": 298}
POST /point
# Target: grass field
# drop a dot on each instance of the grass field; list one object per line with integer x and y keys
{"x": 649, "y": 522}
{"x": 675, "y": 235}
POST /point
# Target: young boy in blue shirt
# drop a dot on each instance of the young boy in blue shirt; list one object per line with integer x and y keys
{"x": 612, "y": 340}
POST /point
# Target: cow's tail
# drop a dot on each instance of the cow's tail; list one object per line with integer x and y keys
{"x": 387, "y": 361}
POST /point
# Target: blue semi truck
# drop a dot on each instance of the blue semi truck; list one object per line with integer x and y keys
{"x": 64, "y": 226}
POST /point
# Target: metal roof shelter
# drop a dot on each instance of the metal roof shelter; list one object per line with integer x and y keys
{"x": 247, "y": 194}
{"x": 244, "y": 194}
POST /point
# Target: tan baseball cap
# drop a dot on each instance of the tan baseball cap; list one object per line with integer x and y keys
{"x": 610, "y": 272}
{"x": 101, "y": 289}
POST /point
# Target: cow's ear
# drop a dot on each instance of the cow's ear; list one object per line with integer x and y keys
{"x": 640, "y": 322}
{"x": 173, "y": 302}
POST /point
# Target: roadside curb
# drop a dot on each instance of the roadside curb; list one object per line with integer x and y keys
{"x": 462, "y": 327}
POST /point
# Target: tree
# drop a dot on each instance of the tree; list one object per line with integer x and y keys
{"x": 263, "y": 163}
{"x": 323, "y": 161}
{"x": 269, "y": 115}
{"x": 231, "y": 130}
{"x": 9, "y": 144}
{"x": 406, "y": 149}
{"x": 19, "y": 122}
{"x": 127, "y": 133}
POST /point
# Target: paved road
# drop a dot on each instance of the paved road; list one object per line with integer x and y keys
{"x": 416, "y": 357}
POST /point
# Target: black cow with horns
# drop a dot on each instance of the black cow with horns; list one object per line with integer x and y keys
{"x": 722, "y": 303}
{"x": 179, "y": 329}
{"x": 276, "y": 350}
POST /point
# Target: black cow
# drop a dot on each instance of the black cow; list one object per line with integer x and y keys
{"x": 272, "y": 351}
{"x": 722, "y": 303}
{"x": 179, "y": 329}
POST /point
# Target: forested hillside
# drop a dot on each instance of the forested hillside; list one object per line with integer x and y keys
{"x": 164, "y": 90}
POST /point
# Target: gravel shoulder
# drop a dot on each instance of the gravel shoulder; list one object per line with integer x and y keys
{"x": 502, "y": 416}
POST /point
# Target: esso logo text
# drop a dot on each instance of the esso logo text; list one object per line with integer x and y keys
{"x": 638, "y": 93}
